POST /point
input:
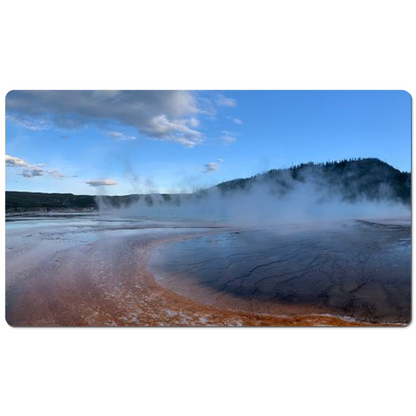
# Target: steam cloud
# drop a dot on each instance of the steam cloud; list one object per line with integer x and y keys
{"x": 269, "y": 199}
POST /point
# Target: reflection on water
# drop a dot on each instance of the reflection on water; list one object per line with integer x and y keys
{"x": 361, "y": 270}
{"x": 85, "y": 228}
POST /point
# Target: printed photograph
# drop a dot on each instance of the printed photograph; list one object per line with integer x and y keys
{"x": 236, "y": 208}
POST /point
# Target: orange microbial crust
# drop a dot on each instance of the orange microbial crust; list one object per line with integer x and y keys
{"x": 95, "y": 289}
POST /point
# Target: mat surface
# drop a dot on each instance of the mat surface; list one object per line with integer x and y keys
{"x": 208, "y": 208}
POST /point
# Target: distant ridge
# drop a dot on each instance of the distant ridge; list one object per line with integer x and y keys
{"x": 353, "y": 179}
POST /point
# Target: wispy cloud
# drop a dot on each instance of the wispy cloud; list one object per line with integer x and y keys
{"x": 119, "y": 136}
{"x": 101, "y": 182}
{"x": 224, "y": 101}
{"x": 15, "y": 162}
{"x": 31, "y": 170}
{"x": 212, "y": 166}
{"x": 228, "y": 137}
{"x": 56, "y": 174}
{"x": 29, "y": 122}
{"x": 235, "y": 120}
{"x": 179, "y": 131}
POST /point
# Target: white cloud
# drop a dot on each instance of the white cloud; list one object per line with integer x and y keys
{"x": 162, "y": 115}
{"x": 224, "y": 101}
{"x": 56, "y": 174}
{"x": 32, "y": 171}
{"x": 15, "y": 162}
{"x": 212, "y": 166}
{"x": 236, "y": 120}
{"x": 119, "y": 136}
{"x": 228, "y": 137}
{"x": 175, "y": 130}
{"x": 101, "y": 182}
{"x": 193, "y": 122}
{"x": 30, "y": 123}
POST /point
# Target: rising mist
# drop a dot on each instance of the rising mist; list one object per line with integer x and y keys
{"x": 362, "y": 188}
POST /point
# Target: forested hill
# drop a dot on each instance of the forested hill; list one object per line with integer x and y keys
{"x": 40, "y": 201}
{"x": 350, "y": 180}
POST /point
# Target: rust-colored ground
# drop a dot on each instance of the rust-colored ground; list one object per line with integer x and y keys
{"x": 107, "y": 284}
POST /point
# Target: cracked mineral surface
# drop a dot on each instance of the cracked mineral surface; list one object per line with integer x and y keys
{"x": 84, "y": 270}
{"x": 359, "y": 269}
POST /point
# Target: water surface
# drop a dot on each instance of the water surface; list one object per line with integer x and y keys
{"x": 358, "y": 269}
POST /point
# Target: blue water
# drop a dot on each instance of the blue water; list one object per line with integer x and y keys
{"x": 361, "y": 270}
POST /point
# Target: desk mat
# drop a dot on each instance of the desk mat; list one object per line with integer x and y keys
{"x": 208, "y": 208}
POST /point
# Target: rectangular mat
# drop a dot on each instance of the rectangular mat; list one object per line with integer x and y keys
{"x": 208, "y": 208}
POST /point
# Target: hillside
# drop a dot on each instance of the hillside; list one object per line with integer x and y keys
{"x": 39, "y": 201}
{"x": 17, "y": 202}
{"x": 351, "y": 180}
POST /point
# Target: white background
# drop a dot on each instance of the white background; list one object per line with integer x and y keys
{"x": 207, "y": 45}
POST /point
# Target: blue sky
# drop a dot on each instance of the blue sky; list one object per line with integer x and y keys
{"x": 120, "y": 142}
